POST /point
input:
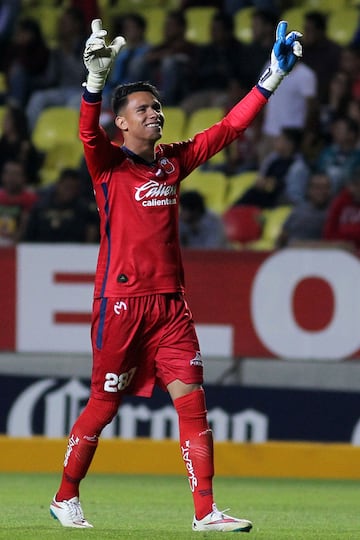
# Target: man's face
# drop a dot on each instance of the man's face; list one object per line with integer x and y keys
{"x": 13, "y": 177}
{"x": 320, "y": 190}
{"x": 141, "y": 118}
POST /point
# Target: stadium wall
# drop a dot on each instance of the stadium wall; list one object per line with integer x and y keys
{"x": 142, "y": 456}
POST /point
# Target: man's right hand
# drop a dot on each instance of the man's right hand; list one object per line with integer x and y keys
{"x": 98, "y": 57}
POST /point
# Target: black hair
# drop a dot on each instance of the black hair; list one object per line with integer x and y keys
{"x": 31, "y": 25}
{"x": 121, "y": 93}
{"x": 351, "y": 123}
{"x": 69, "y": 172}
{"x": 295, "y": 135}
{"x": 178, "y": 16}
{"x": 268, "y": 16}
{"x": 318, "y": 18}
{"x": 193, "y": 201}
{"x": 225, "y": 19}
{"x": 19, "y": 119}
{"x": 136, "y": 18}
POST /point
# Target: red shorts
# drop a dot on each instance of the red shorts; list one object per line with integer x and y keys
{"x": 142, "y": 341}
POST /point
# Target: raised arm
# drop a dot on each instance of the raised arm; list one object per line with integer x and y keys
{"x": 285, "y": 53}
{"x": 98, "y": 59}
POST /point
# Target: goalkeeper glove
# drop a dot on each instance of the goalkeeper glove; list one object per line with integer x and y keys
{"x": 98, "y": 57}
{"x": 284, "y": 55}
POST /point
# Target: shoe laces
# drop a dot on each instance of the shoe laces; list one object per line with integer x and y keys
{"x": 75, "y": 510}
{"x": 220, "y": 513}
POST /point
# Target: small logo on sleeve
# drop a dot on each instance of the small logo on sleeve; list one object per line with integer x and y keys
{"x": 197, "y": 361}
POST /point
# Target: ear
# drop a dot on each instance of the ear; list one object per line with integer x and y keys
{"x": 121, "y": 123}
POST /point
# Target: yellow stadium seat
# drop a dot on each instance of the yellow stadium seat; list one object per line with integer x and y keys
{"x": 325, "y": 5}
{"x": 199, "y": 23}
{"x": 2, "y": 114}
{"x": 274, "y": 219}
{"x": 56, "y": 134}
{"x": 62, "y": 156}
{"x": 155, "y": 20}
{"x": 212, "y": 185}
{"x": 342, "y": 24}
{"x": 48, "y": 17}
{"x": 153, "y": 15}
{"x": 243, "y": 24}
{"x": 134, "y": 5}
{"x": 56, "y": 125}
{"x": 3, "y": 83}
{"x": 174, "y": 126}
{"x": 202, "y": 119}
{"x": 238, "y": 184}
{"x": 295, "y": 17}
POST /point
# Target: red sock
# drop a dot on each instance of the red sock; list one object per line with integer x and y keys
{"x": 82, "y": 445}
{"x": 197, "y": 449}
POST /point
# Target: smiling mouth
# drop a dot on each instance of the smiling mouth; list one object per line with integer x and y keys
{"x": 154, "y": 125}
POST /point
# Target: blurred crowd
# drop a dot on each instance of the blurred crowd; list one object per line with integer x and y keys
{"x": 303, "y": 150}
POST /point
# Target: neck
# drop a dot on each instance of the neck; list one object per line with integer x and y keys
{"x": 144, "y": 150}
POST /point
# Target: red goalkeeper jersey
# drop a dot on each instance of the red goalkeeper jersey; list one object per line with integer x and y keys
{"x": 138, "y": 202}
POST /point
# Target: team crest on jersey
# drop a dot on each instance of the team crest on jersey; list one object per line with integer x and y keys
{"x": 166, "y": 165}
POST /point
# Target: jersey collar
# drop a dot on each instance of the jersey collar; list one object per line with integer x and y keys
{"x": 138, "y": 159}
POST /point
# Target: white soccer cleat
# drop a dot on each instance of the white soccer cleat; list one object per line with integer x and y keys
{"x": 218, "y": 521}
{"x": 69, "y": 513}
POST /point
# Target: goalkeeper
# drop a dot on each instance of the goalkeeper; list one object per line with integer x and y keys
{"x": 143, "y": 333}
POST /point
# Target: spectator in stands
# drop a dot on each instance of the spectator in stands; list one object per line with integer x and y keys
{"x": 353, "y": 111}
{"x": 127, "y": 65}
{"x": 294, "y": 105}
{"x": 321, "y": 53}
{"x": 350, "y": 64}
{"x": 338, "y": 158}
{"x": 9, "y": 13}
{"x": 16, "y": 201}
{"x": 61, "y": 215}
{"x": 16, "y": 143}
{"x": 232, "y": 6}
{"x": 243, "y": 154}
{"x": 200, "y": 3}
{"x": 339, "y": 97}
{"x": 28, "y": 62}
{"x": 199, "y": 228}
{"x": 170, "y": 64}
{"x": 218, "y": 74}
{"x": 343, "y": 221}
{"x": 90, "y": 9}
{"x": 68, "y": 65}
{"x": 306, "y": 221}
{"x": 283, "y": 175}
{"x": 263, "y": 25}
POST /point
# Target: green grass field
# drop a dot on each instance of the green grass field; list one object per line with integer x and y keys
{"x": 160, "y": 508}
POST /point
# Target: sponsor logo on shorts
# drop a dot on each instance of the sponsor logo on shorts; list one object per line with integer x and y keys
{"x": 197, "y": 361}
